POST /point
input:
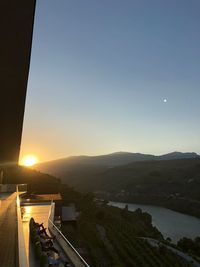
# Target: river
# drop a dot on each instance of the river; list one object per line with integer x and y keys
{"x": 170, "y": 223}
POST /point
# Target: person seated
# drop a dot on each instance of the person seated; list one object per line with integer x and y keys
{"x": 48, "y": 246}
{"x": 46, "y": 242}
{"x": 39, "y": 230}
{"x": 42, "y": 232}
{"x": 37, "y": 225}
{"x": 52, "y": 261}
{"x": 46, "y": 236}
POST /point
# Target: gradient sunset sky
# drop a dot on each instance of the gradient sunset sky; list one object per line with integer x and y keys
{"x": 113, "y": 75}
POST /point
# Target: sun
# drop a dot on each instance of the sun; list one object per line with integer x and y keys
{"x": 29, "y": 160}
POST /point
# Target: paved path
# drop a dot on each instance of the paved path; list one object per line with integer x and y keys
{"x": 8, "y": 232}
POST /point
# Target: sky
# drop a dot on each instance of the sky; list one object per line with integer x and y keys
{"x": 113, "y": 75}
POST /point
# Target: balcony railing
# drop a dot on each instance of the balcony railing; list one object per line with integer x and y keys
{"x": 68, "y": 248}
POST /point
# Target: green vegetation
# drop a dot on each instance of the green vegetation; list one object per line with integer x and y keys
{"x": 163, "y": 177}
{"x": 190, "y": 246}
{"x": 109, "y": 236}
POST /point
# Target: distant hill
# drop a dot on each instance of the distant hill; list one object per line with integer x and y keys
{"x": 157, "y": 177}
{"x": 164, "y": 180}
{"x": 84, "y": 172}
{"x": 178, "y": 155}
{"x": 111, "y": 160}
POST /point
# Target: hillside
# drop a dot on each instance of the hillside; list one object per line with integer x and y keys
{"x": 81, "y": 169}
{"x": 37, "y": 182}
{"x": 173, "y": 184}
{"x": 108, "y": 236}
{"x": 58, "y": 167}
{"x": 164, "y": 176}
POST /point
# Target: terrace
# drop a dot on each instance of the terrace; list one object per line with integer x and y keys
{"x": 14, "y": 221}
{"x": 43, "y": 212}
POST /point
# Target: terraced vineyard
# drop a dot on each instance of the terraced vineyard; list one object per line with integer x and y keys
{"x": 111, "y": 237}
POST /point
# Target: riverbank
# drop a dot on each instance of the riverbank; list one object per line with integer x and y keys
{"x": 170, "y": 223}
{"x": 179, "y": 204}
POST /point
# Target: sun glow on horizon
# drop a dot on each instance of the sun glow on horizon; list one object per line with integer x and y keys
{"x": 29, "y": 160}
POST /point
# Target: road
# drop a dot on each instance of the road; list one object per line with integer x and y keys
{"x": 186, "y": 257}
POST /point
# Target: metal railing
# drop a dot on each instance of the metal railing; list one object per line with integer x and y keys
{"x": 54, "y": 228}
{"x": 21, "y": 187}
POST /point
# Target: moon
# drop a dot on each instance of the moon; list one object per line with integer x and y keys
{"x": 165, "y": 100}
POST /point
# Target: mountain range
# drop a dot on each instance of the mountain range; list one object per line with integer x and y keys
{"x": 113, "y": 159}
{"x": 120, "y": 158}
{"x": 79, "y": 169}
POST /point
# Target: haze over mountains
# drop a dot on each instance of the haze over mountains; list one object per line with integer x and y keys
{"x": 170, "y": 180}
{"x": 114, "y": 159}
{"x": 82, "y": 169}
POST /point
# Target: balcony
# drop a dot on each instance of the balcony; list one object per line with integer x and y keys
{"x": 14, "y": 221}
